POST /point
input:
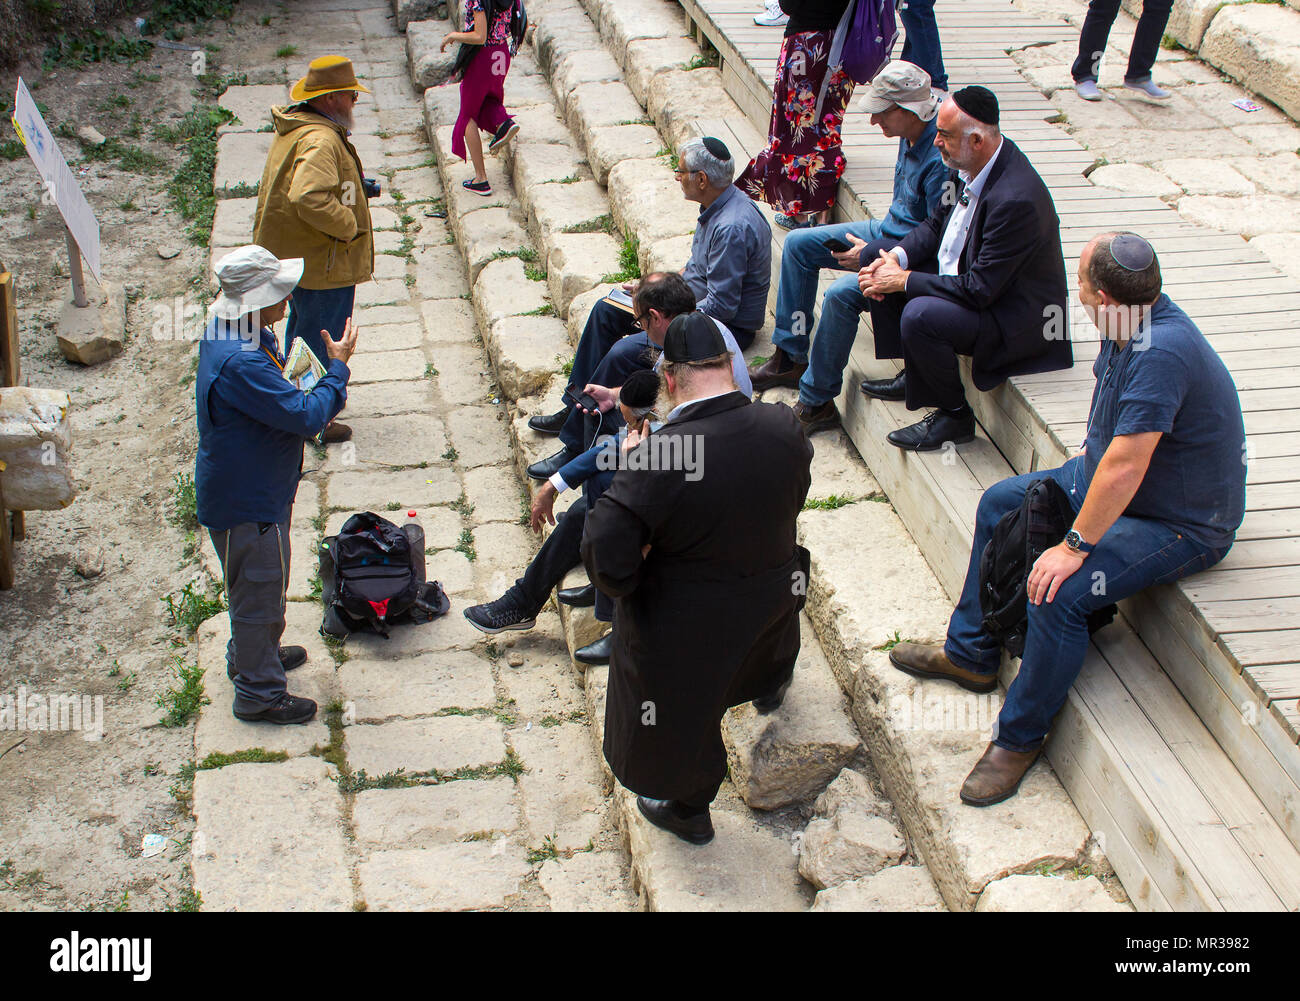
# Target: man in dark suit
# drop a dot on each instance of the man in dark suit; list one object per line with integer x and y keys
{"x": 982, "y": 276}
{"x": 707, "y": 590}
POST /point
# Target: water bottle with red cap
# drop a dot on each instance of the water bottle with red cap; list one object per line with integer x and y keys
{"x": 415, "y": 538}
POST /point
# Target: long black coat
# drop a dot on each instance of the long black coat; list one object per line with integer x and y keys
{"x": 710, "y": 618}
{"x": 1011, "y": 266}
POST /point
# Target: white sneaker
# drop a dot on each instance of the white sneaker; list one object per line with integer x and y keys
{"x": 773, "y": 16}
{"x": 1149, "y": 89}
{"x": 1088, "y": 90}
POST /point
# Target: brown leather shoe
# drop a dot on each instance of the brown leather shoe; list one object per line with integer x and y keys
{"x": 922, "y": 660}
{"x": 336, "y": 432}
{"x": 779, "y": 370}
{"x": 996, "y": 776}
{"x": 814, "y": 419}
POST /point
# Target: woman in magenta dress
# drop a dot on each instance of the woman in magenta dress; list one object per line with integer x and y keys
{"x": 493, "y": 32}
{"x": 799, "y": 171}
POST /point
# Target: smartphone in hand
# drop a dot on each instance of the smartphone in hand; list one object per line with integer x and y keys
{"x": 835, "y": 246}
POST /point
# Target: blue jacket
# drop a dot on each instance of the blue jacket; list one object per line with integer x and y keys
{"x": 252, "y": 425}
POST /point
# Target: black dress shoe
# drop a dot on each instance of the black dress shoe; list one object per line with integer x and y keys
{"x": 596, "y": 654}
{"x": 549, "y": 424}
{"x": 577, "y": 597}
{"x": 771, "y": 703}
{"x": 934, "y": 430}
{"x": 544, "y": 469}
{"x": 292, "y": 656}
{"x": 886, "y": 389}
{"x": 665, "y": 814}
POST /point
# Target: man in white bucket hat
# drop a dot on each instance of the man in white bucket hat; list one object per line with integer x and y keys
{"x": 902, "y": 105}
{"x": 252, "y": 426}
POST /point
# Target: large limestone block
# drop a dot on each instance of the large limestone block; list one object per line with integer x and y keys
{"x": 554, "y": 208}
{"x": 647, "y": 202}
{"x": 480, "y": 435}
{"x": 487, "y": 232}
{"x": 587, "y": 882}
{"x": 526, "y": 352}
{"x": 579, "y": 310}
{"x": 541, "y": 123}
{"x": 744, "y": 868}
{"x": 407, "y": 11}
{"x": 622, "y": 23}
{"x": 524, "y": 90}
{"x": 1189, "y": 19}
{"x": 897, "y": 888}
{"x": 1278, "y": 174}
{"x": 444, "y": 743}
{"x": 1283, "y": 249}
{"x": 504, "y": 290}
{"x": 1135, "y": 178}
{"x": 457, "y": 877}
{"x": 1047, "y": 893}
{"x": 597, "y": 105}
{"x": 241, "y": 158}
{"x": 441, "y": 107}
{"x": 678, "y": 96}
{"x": 611, "y": 145}
{"x": 35, "y": 439}
{"x": 423, "y": 816}
{"x": 535, "y": 164}
{"x": 788, "y": 756}
{"x": 251, "y": 106}
{"x": 374, "y": 490}
{"x": 562, "y": 787}
{"x": 647, "y": 58}
{"x": 577, "y": 263}
{"x": 429, "y": 67}
{"x": 924, "y": 738}
{"x": 269, "y": 837}
{"x": 95, "y": 332}
{"x": 1248, "y": 217}
{"x": 666, "y": 255}
{"x": 561, "y": 35}
{"x": 582, "y": 67}
{"x": 1259, "y": 45}
{"x": 380, "y": 690}
{"x": 1200, "y": 176}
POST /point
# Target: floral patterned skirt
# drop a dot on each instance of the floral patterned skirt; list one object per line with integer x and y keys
{"x": 800, "y": 169}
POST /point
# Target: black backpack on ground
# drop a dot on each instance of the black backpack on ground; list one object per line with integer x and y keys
{"x": 1019, "y": 538}
{"x": 372, "y": 577}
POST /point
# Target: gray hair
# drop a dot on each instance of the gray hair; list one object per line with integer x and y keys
{"x": 694, "y": 157}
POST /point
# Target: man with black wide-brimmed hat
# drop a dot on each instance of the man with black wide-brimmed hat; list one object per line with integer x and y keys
{"x": 982, "y": 276}
{"x": 695, "y": 541}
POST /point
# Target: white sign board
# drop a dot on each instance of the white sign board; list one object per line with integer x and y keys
{"x": 60, "y": 185}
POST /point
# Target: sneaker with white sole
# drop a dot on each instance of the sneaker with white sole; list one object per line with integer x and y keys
{"x": 503, "y": 136}
{"x": 1088, "y": 90}
{"x": 773, "y": 16}
{"x": 483, "y": 188}
{"x": 500, "y": 615}
{"x": 1148, "y": 88}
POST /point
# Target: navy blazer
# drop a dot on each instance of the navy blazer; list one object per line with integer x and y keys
{"x": 1011, "y": 266}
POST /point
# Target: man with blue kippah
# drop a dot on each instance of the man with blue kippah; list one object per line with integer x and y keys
{"x": 1157, "y": 493}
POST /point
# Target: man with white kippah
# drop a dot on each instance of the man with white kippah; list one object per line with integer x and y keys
{"x": 903, "y": 106}
{"x": 252, "y": 425}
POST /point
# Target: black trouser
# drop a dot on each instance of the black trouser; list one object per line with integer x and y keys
{"x": 560, "y": 553}
{"x": 1146, "y": 41}
{"x": 928, "y": 333}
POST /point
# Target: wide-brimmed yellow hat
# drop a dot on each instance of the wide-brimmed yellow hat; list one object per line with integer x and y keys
{"x": 324, "y": 76}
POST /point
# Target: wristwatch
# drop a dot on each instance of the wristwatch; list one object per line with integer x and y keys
{"x": 1075, "y": 542}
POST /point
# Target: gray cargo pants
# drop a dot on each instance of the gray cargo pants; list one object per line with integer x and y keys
{"x": 255, "y": 563}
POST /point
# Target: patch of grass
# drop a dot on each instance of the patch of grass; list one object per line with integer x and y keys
{"x": 546, "y": 310}
{"x": 191, "y": 190}
{"x": 550, "y": 721}
{"x": 465, "y": 545}
{"x": 128, "y": 206}
{"x": 462, "y": 506}
{"x": 337, "y": 646}
{"x": 12, "y": 149}
{"x": 243, "y": 190}
{"x": 548, "y": 850}
{"x": 127, "y": 683}
{"x": 643, "y": 120}
{"x": 190, "y": 901}
{"x": 629, "y": 262}
{"x": 566, "y": 365}
{"x": 890, "y": 643}
{"x": 152, "y": 768}
{"x": 604, "y": 224}
{"x": 285, "y": 51}
{"x": 333, "y": 751}
{"x": 182, "y": 703}
{"x": 534, "y": 273}
{"x": 492, "y": 650}
{"x": 257, "y": 755}
{"x": 571, "y": 179}
{"x": 429, "y": 371}
{"x": 358, "y": 781}
{"x": 451, "y": 455}
{"x": 94, "y": 45}
{"x": 705, "y": 59}
{"x": 393, "y": 506}
{"x": 830, "y": 503}
{"x": 189, "y": 608}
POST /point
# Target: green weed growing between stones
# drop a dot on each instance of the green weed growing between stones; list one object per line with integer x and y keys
{"x": 182, "y": 703}
{"x": 831, "y": 503}
{"x": 258, "y": 755}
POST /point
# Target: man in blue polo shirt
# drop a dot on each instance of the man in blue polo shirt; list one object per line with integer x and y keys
{"x": 1158, "y": 491}
{"x": 252, "y": 426}
{"x": 901, "y": 104}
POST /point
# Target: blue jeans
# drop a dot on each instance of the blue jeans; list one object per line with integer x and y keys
{"x": 802, "y": 259}
{"x": 921, "y": 46}
{"x": 314, "y": 310}
{"x": 1133, "y": 555}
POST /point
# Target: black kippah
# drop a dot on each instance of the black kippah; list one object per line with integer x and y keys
{"x": 978, "y": 102}
{"x": 717, "y": 147}
{"x": 640, "y": 390}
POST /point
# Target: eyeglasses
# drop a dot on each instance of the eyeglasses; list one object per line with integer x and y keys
{"x": 640, "y": 319}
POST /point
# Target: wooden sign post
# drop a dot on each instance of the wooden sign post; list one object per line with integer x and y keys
{"x": 10, "y": 373}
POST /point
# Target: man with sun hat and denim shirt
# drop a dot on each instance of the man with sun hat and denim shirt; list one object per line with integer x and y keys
{"x": 312, "y": 204}
{"x": 252, "y": 425}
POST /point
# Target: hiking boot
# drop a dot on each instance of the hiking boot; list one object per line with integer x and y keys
{"x": 501, "y": 615}
{"x": 289, "y": 709}
{"x": 292, "y": 657}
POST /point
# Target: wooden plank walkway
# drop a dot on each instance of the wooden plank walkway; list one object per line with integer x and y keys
{"x": 1229, "y": 639}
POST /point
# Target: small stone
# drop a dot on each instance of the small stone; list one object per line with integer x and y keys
{"x": 515, "y": 660}
{"x": 168, "y": 250}
{"x": 848, "y": 846}
{"x": 91, "y": 135}
{"x": 89, "y": 565}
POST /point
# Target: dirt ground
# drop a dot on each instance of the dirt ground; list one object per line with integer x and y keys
{"x": 73, "y": 812}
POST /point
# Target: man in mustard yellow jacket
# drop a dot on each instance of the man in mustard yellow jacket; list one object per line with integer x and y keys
{"x": 312, "y": 204}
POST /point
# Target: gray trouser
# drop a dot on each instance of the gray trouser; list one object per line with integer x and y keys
{"x": 255, "y": 563}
